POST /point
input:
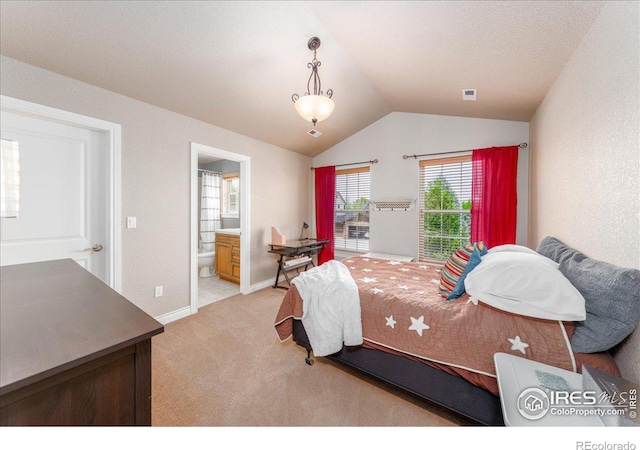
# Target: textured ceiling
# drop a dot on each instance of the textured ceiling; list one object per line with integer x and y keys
{"x": 236, "y": 64}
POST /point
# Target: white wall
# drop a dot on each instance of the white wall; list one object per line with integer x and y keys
{"x": 585, "y": 152}
{"x": 156, "y": 152}
{"x": 392, "y": 177}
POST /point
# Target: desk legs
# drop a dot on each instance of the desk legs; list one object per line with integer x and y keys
{"x": 283, "y": 270}
{"x": 280, "y": 269}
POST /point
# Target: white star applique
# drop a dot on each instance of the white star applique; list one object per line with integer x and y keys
{"x": 518, "y": 345}
{"x": 474, "y": 301}
{"x": 420, "y": 292}
{"x": 423, "y": 267}
{"x": 404, "y": 269}
{"x": 418, "y": 325}
{"x": 415, "y": 278}
{"x": 352, "y": 267}
{"x": 367, "y": 270}
{"x": 365, "y": 259}
{"x": 377, "y": 291}
{"x": 390, "y": 322}
{"x": 437, "y": 270}
{"x": 434, "y": 281}
{"x": 369, "y": 280}
{"x": 392, "y": 278}
{"x": 375, "y": 262}
{"x": 403, "y": 286}
{"x": 349, "y": 261}
{"x": 394, "y": 263}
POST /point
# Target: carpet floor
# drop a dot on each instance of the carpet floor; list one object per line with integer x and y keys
{"x": 225, "y": 367}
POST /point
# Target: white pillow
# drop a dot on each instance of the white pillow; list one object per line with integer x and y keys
{"x": 525, "y": 284}
{"x": 516, "y": 250}
{"x": 511, "y": 248}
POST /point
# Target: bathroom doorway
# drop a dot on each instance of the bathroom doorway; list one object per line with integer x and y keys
{"x": 220, "y": 243}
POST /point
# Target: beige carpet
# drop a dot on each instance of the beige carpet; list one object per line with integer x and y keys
{"x": 225, "y": 366}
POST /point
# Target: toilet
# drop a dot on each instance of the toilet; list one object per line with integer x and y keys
{"x": 206, "y": 260}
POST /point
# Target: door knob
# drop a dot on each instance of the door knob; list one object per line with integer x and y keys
{"x": 95, "y": 248}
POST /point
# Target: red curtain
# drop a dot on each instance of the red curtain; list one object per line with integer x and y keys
{"x": 325, "y": 184}
{"x": 494, "y": 195}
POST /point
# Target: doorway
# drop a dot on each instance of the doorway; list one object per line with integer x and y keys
{"x": 236, "y": 221}
{"x": 68, "y": 188}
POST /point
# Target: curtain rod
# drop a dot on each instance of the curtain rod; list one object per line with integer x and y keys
{"x": 210, "y": 171}
{"x": 523, "y": 145}
{"x": 349, "y": 164}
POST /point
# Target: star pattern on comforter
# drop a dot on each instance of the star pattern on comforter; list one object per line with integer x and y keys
{"x": 403, "y": 310}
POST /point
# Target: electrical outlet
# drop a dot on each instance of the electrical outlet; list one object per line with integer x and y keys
{"x": 158, "y": 291}
{"x": 469, "y": 94}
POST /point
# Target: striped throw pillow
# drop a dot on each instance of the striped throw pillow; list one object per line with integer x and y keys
{"x": 455, "y": 265}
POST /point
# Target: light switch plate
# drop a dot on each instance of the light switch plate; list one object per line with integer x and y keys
{"x": 131, "y": 222}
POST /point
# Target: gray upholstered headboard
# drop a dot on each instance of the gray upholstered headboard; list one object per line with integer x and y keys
{"x": 612, "y": 299}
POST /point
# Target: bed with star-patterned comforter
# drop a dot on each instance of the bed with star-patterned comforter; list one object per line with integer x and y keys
{"x": 403, "y": 312}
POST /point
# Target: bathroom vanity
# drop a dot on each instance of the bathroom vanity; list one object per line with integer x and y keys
{"x": 228, "y": 254}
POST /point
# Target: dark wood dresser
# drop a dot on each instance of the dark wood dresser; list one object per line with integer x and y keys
{"x": 72, "y": 350}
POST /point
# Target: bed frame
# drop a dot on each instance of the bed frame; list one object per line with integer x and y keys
{"x": 428, "y": 383}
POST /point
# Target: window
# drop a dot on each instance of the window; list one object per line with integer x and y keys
{"x": 445, "y": 206}
{"x": 351, "y": 218}
{"x": 10, "y": 182}
{"x": 230, "y": 195}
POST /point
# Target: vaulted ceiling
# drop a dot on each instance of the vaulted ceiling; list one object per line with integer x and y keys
{"x": 236, "y": 64}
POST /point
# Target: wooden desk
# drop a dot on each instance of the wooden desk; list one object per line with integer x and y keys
{"x": 299, "y": 248}
{"x": 72, "y": 350}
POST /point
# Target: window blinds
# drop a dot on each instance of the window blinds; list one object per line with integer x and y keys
{"x": 445, "y": 206}
{"x": 351, "y": 219}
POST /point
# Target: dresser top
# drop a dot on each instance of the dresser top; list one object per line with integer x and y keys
{"x": 55, "y": 315}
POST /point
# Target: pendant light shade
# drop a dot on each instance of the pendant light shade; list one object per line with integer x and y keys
{"x": 317, "y": 106}
{"x": 314, "y": 108}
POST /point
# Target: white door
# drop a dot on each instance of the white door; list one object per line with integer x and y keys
{"x": 63, "y": 195}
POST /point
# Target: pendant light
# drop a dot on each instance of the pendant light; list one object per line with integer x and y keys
{"x": 314, "y": 107}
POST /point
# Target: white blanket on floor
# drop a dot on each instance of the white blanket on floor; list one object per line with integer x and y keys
{"x": 330, "y": 307}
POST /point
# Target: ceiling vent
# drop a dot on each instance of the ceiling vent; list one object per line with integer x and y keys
{"x": 314, "y": 133}
{"x": 469, "y": 94}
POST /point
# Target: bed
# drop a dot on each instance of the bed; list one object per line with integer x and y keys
{"x": 439, "y": 350}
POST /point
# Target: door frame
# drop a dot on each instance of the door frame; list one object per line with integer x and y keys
{"x": 245, "y": 207}
{"x": 113, "y": 133}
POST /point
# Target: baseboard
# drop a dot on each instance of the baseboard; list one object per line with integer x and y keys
{"x": 186, "y": 311}
{"x": 263, "y": 284}
{"x": 174, "y": 315}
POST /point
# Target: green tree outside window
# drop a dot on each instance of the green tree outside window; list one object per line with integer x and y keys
{"x": 447, "y": 225}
